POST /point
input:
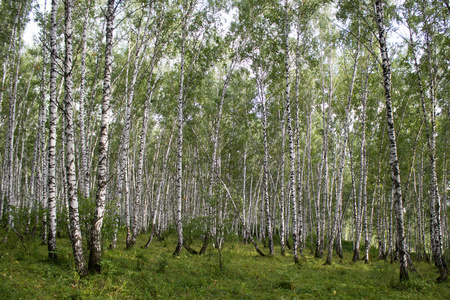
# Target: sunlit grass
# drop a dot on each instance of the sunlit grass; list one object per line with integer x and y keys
{"x": 154, "y": 273}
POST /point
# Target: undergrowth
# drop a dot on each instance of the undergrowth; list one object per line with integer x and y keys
{"x": 26, "y": 273}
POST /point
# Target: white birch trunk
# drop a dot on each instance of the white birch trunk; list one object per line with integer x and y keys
{"x": 76, "y": 238}
{"x": 266, "y": 175}
{"x": 363, "y": 188}
{"x": 52, "y": 137}
{"x": 85, "y": 173}
{"x": 394, "y": 162}
{"x": 360, "y": 211}
{"x": 179, "y": 162}
{"x": 102, "y": 176}
{"x": 282, "y": 191}
{"x": 292, "y": 180}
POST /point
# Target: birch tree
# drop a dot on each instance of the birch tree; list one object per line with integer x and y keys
{"x": 85, "y": 171}
{"x": 292, "y": 178}
{"x": 52, "y": 136}
{"x": 393, "y": 160}
{"x": 265, "y": 166}
{"x": 76, "y": 239}
{"x": 102, "y": 176}
{"x": 179, "y": 162}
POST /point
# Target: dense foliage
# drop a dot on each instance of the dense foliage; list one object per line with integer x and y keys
{"x": 263, "y": 120}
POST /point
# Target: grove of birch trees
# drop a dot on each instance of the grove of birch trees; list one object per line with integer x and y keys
{"x": 293, "y": 125}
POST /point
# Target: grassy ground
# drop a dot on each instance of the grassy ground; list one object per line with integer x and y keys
{"x": 154, "y": 273}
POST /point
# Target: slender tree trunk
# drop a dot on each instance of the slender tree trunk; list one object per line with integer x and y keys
{"x": 419, "y": 243}
{"x": 299, "y": 174}
{"x": 85, "y": 174}
{"x": 445, "y": 180}
{"x": 368, "y": 229}
{"x": 361, "y": 211}
{"x": 179, "y": 163}
{"x": 389, "y": 218}
{"x": 356, "y": 205}
{"x": 282, "y": 191}
{"x": 381, "y": 229}
{"x": 292, "y": 184}
{"x": 266, "y": 171}
{"x": 323, "y": 170}
{"x": 102, "y": 175}
{"x": 326, "y": 194}
{"x": 394, "y": 162}
{"x": 52, "y": 138}
{"x": 127, "y": 200}
{"x": 77, "y": 245}
{"x": 309, "y": 171}
{"x": 244, "y": 193}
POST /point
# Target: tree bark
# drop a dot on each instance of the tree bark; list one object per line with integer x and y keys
{"x": 52, "y": 138}
{"x": 282, "y": 191}
{"x": 292, "y": 181}
{"x": 102, "y": 176}
{"x": 76, "y": 238}
{"x": 361, "y": 220}
{"x": 85, "y": 174}
{"x": 299, "y": 175}
{"x": 394, "y": 161}
{"x": 323, "y": 170}
{"x": 266, "y": 170}
{"x": 179, "y": 163}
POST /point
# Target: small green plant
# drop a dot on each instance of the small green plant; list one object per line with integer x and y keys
{"x": 285, "y": 284}
{"x": 141, "y": 261}
{"x": 161, "y": 265}
{"x": 108, "y": 267}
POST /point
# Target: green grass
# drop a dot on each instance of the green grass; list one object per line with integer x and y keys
{"x": 154, "y": 273}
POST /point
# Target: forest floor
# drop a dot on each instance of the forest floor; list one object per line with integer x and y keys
{"x": 26, "y": 273}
